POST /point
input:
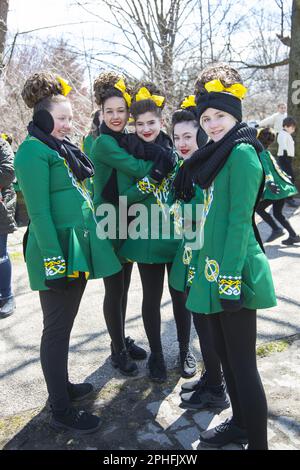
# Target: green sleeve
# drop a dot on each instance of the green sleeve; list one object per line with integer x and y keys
{"x": 245, "y": 176}
{"x": 32, "y": 165}
{"x": 267, "y": 165}
{"x": 140, "y": 190}
{"x": 107, "y": 150}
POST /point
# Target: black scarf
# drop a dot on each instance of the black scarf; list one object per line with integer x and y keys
{"x": 134, "y": 146}
{"x": 205, "y": 164}
{"x": 80, "y": 164}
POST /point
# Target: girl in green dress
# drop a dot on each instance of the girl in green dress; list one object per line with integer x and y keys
{"x": 209, "y": 391}
{"x": 62, "y": 249}
{"x": 155, "y": 249}
{"x": 278, "y": 187}
{"x": 233, "y": 277}
{"x": 114, "y": 169}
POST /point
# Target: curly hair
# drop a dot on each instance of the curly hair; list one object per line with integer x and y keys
{"x": 40, "y": 86}
{"x": 104, "y": 87}
{"x": 221, "y": 71}
{"x": 143, "y": 106}
{"x": 266, "y": 136}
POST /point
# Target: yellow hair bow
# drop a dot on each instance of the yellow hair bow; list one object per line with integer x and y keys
{"x": 237, "y": 89}
{"x": 188, "y": 102}
{"x": 66, "y": 88}
{"x": 144, "y": 94}
{"x": 4, "y": 136}
{"x": 120, "y": 85}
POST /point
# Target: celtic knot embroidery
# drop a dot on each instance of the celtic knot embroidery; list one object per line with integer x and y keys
{"x": 211, "y": 270}
{"x": 187, "y": 255}
{"x": 230, "y": 285}
{"x": 54, "y": 266}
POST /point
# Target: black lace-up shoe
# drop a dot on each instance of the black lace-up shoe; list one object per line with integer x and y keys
{"x": 135, "y": 352}
{"x": 291, "y": 240}
{"x": 188, "y": 364}
{"x": 206, "y": 397}
{"x": 157, "y": 367}
{"x": 123, "y": 362}
{"x": 75, "y": 420}
{"x": 225, "y": 433}
{"x": 193, "y": 385}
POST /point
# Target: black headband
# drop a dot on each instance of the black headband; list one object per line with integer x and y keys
{"x": 218, "y": 100}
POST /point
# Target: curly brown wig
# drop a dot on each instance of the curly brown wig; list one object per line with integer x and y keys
{"x": 40, "y": 86}
{"x": 104, "y": 87}
{"x": 140, "y": 107}
{"x": 221, "y": 71}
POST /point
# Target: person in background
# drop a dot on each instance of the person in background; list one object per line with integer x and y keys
{"x": 286, "y": 151}
{"x": 7, "y": 225}
{"x": 278, "y": 187}
{"x": 275, "y": 120}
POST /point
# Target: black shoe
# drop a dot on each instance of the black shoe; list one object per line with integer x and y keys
{"x": 123, "y": 362}
{"x": 225, "y": 433}
{"x": 157, "y": 367}
{"x": 291, "y": 240}
{"x": 188, "y": 364}
{"x": 292, "y": 203}
{"x": 205, "y": 398}
{"x": 75, "y": 420}
{"x": 135, "y": 352}
{"x": 7, "y": 307}
{"x": 194, "y": 385}
{"x": 275, "y": 234}
{"x": 78, "y": 392}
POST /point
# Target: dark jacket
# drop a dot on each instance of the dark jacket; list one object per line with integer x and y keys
{"x": 7, "y": 194}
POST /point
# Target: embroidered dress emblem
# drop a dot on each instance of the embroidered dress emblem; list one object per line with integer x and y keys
{"x": 187, "y": 255}
{"x": 211, "y": 270}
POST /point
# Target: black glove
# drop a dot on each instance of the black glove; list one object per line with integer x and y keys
{"x": 273, "y": 187}
{"x": 229, "y": 305}
{"x": 164, "y": 161}
{"x": 57, "y": 285}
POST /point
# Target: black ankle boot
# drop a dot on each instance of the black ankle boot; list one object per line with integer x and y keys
{"x": 123, "y": 362}
{"x": 157, "y": 367}
{"x": 135, "y": 352}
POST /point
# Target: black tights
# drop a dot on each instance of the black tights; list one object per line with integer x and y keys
{"x": 152, "y": 277}
{"x": 59, "y": 312}
{"x": 210, "y": 357}
{"x": 234, "y": 335}
{"x": 277, "y": 212}
{"x": 115, "y": 304}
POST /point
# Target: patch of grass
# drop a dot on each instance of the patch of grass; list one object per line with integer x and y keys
{"x": 269, "y": 348}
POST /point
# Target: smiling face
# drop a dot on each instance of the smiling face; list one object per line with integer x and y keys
{"x": 148, "y": 126}
{"x": 115, "y": 113}
{"x": 185, "y": 138}
{"x": 216, "y": 123}
{"x": 63, "y": 117}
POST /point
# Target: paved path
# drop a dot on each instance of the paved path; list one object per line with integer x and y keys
{"x": 135, "y": 413}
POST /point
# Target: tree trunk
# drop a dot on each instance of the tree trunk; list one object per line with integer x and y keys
{"x": 294, "y": 82}
{"x": 3, "y": 28}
